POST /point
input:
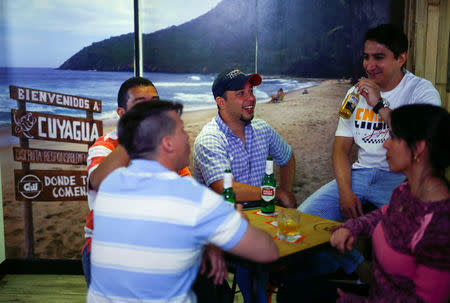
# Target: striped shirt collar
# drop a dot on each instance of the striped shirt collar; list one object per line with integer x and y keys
{"x": 145, "y": 165}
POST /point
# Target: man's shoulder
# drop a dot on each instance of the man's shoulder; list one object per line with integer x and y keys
{"x": 420, "y": 90}
{"x": 260, "y": 123}
{"x": 123, "y": 182}
{"x": 210, "y": 131}
{"x": 211, "y": 126}
{"x": 109, "y": 140}
{"x": 261, "y": 127}
{"x": 417, "y": 81}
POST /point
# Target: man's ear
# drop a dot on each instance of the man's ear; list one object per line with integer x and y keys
{"x": 167, "y": 144}
{"x": 120, "y": 111}
{"x": 402, "y": 58}
{"x": 220, "y": 102}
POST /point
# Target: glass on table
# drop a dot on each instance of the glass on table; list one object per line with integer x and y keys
{"x": 289, "y": 225}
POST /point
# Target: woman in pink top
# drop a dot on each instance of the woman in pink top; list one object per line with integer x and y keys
{"x": 410, "y": 235}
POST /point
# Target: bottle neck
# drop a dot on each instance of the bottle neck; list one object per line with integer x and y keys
{"x": 269, "y": 167}
{"x": 227, "y": 180}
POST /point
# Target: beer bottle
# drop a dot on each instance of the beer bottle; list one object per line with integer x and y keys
{"x": 349, "y": 105}
{"x": 228, "y": 193}
{"x": 268, "y": 188}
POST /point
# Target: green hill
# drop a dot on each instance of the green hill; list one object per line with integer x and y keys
{"x": 319, "y": 38}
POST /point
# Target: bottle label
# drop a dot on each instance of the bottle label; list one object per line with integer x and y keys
{"x": 268, "y": 193}
{"x": 352, "y": 102}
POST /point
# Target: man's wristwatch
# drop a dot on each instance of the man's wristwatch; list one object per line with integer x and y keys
{"x": 381, "y": 103}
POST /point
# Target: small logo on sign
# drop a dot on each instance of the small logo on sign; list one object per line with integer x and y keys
{"x": 24, "y": 124}
{"x": 30, "y": 186}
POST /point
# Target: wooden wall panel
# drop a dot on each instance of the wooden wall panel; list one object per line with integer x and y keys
{"x": 431, "y": 43}
{"x": 427, "y": 25}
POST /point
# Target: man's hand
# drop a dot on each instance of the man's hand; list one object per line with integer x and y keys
{"x": 240, "y": 209}
{"x": 117, "y": 158}
{"x": 350, "y": 205}
{"x": 342, "y": 239}
{"x": 286, "y": 198}
{"x": 218, "y": 266}
{"x": 369, "y": 90}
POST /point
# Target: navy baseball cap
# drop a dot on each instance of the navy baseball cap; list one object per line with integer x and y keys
{"x": 233, "y": 79}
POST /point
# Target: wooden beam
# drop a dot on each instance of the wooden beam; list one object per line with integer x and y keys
{"x": 443, "y": 53}
{"x": 421, "y": 37}
{"x": 435, "y": 2}
{"x": 431, "y": 43}
{"x": 447, "y": 106}
{"x": 409, "y": 28}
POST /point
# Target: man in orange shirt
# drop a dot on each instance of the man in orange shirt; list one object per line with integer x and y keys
{"x": 106, "y": 155}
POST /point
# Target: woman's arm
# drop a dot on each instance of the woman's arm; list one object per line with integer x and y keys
{"x": 364, "y": 225}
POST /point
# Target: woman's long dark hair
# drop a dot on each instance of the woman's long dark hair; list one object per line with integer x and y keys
{"x": 417, "y": 122}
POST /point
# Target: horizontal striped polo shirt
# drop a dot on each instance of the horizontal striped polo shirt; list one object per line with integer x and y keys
{"x": 168, "y": 221}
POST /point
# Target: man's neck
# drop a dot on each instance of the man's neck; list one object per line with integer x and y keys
{"x": 237, "y": 127}
{"x": 396, "y": 79}
{"x": 161, "y": 159}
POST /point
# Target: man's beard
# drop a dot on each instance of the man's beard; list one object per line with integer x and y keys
{"x": 246, "y": 120}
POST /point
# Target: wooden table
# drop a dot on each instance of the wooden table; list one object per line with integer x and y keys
{"x": 315, "y": 229}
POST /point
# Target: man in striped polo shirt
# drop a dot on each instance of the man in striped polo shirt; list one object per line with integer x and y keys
{"x": 106, "y": 154}
{"x": 152, "y": 225}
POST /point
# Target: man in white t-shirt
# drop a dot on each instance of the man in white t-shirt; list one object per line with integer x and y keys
{"x": 368, "y": 180}
{"x": 388, "y": 86}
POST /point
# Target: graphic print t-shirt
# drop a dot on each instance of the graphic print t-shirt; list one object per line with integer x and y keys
{"x": 370, "y": 131}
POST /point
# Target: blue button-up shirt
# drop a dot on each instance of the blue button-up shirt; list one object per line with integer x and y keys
{"x": 216, "y": 148}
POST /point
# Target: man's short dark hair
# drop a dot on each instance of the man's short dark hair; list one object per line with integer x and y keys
{"x": 122, "y": 96}
{"x": 389, "y": 35}
{"x": 142, "y": 128}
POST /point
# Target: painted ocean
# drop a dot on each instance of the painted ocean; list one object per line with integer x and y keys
{"x": 192, "y": 90}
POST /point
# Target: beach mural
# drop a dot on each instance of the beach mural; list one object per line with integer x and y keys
{"x": 33, "y": 185}
{"x": 72, "y": 54}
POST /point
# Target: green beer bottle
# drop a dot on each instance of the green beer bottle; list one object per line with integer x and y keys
{"x": 228, "y": 193}
{"x": 268, "y": 189}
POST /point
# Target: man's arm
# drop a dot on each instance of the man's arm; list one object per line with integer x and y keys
{"x": 372, "y": 93}
{"x": 117, "y": 158}
{"x": 349, "y": 203}
{"x": 244, "y": 192}
{"x": 287, "y": 173}
{"x": 284, "y": 192}
{"x": 256, "y": 245}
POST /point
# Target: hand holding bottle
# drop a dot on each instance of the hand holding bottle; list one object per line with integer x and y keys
{"x": 369, "y": 90}
{"x": 349, "y": 104}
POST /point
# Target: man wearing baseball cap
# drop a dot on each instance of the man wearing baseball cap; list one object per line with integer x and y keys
{"x": 234, "y": 139}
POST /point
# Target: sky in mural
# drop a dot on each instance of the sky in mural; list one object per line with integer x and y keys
{"x": 45, "y": 33}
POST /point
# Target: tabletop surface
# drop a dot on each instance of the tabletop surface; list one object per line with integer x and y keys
{"x": 316, "y": 230}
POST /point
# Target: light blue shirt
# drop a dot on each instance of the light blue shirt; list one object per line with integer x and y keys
{"x": 216, "y": 148}
{"x": 151, "y": 226}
